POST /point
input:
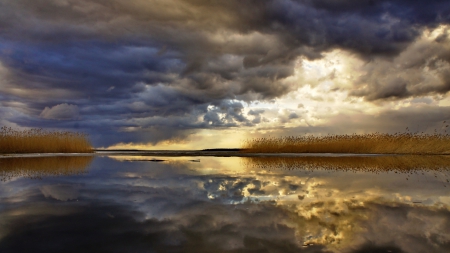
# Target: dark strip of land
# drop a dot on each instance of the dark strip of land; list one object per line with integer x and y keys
{"x": 224, "y": 149}
{"x": 174, "y": 153}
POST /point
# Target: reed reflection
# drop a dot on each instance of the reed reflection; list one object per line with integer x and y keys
{"x": 394, "y": 163}
{"x": 38, "y": 167}
{"x": 439, "y": 165}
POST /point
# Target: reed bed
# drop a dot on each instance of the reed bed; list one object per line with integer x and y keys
{"x": 38, "y": 167}
{"x": 41, "y": 141}
{"x": 375, "y": 164}
{"x": 375, "y": 143}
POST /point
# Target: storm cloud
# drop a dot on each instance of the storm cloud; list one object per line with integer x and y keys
{"x": 181, "y": 65}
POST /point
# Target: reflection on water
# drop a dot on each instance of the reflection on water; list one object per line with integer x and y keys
{"x": 38, "y": 167}
{"x": 408, "y": 164}
{"x": 126, "y": 204}
{"x": 399, "y": 163}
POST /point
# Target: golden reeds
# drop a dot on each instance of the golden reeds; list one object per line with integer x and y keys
{"x": 375, "y": 143}
{"x": 41, "y": 141}
{"x": 37, "y": 167}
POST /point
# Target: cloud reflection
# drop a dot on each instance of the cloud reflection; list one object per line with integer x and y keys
{"x": 141, "y": 206}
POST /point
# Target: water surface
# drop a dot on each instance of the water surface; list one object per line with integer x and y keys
{"x": 129, "y": 203}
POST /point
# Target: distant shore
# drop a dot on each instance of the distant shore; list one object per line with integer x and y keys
{"x": 194, "y": 153}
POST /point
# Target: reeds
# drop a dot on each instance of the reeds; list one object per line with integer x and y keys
{"x": 375, "y": 143}
{"x": 38, "y": 167}
{"x": 41, "y": 141}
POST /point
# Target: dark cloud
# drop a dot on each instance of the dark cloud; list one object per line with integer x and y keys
{"x": 422, "y": 69}
{"x": 419, "y": 118}
{"x": 125, "y": 60}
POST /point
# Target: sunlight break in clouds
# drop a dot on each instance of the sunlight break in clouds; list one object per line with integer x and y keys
{"x": 145, "y": 74}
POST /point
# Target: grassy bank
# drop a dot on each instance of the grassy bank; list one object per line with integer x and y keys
{"x": 40, "y": 141}
{"x": 376, "y": 143}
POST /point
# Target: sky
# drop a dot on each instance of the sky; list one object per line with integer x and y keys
{"x": 194, "y": 74}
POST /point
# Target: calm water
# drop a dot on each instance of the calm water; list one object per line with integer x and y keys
{"x": 130, "y": 204}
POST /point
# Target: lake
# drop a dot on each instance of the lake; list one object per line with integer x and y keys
{"x": 138, "y": 203}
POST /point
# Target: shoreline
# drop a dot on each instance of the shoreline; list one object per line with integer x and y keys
{"x": 198, "y": 153}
